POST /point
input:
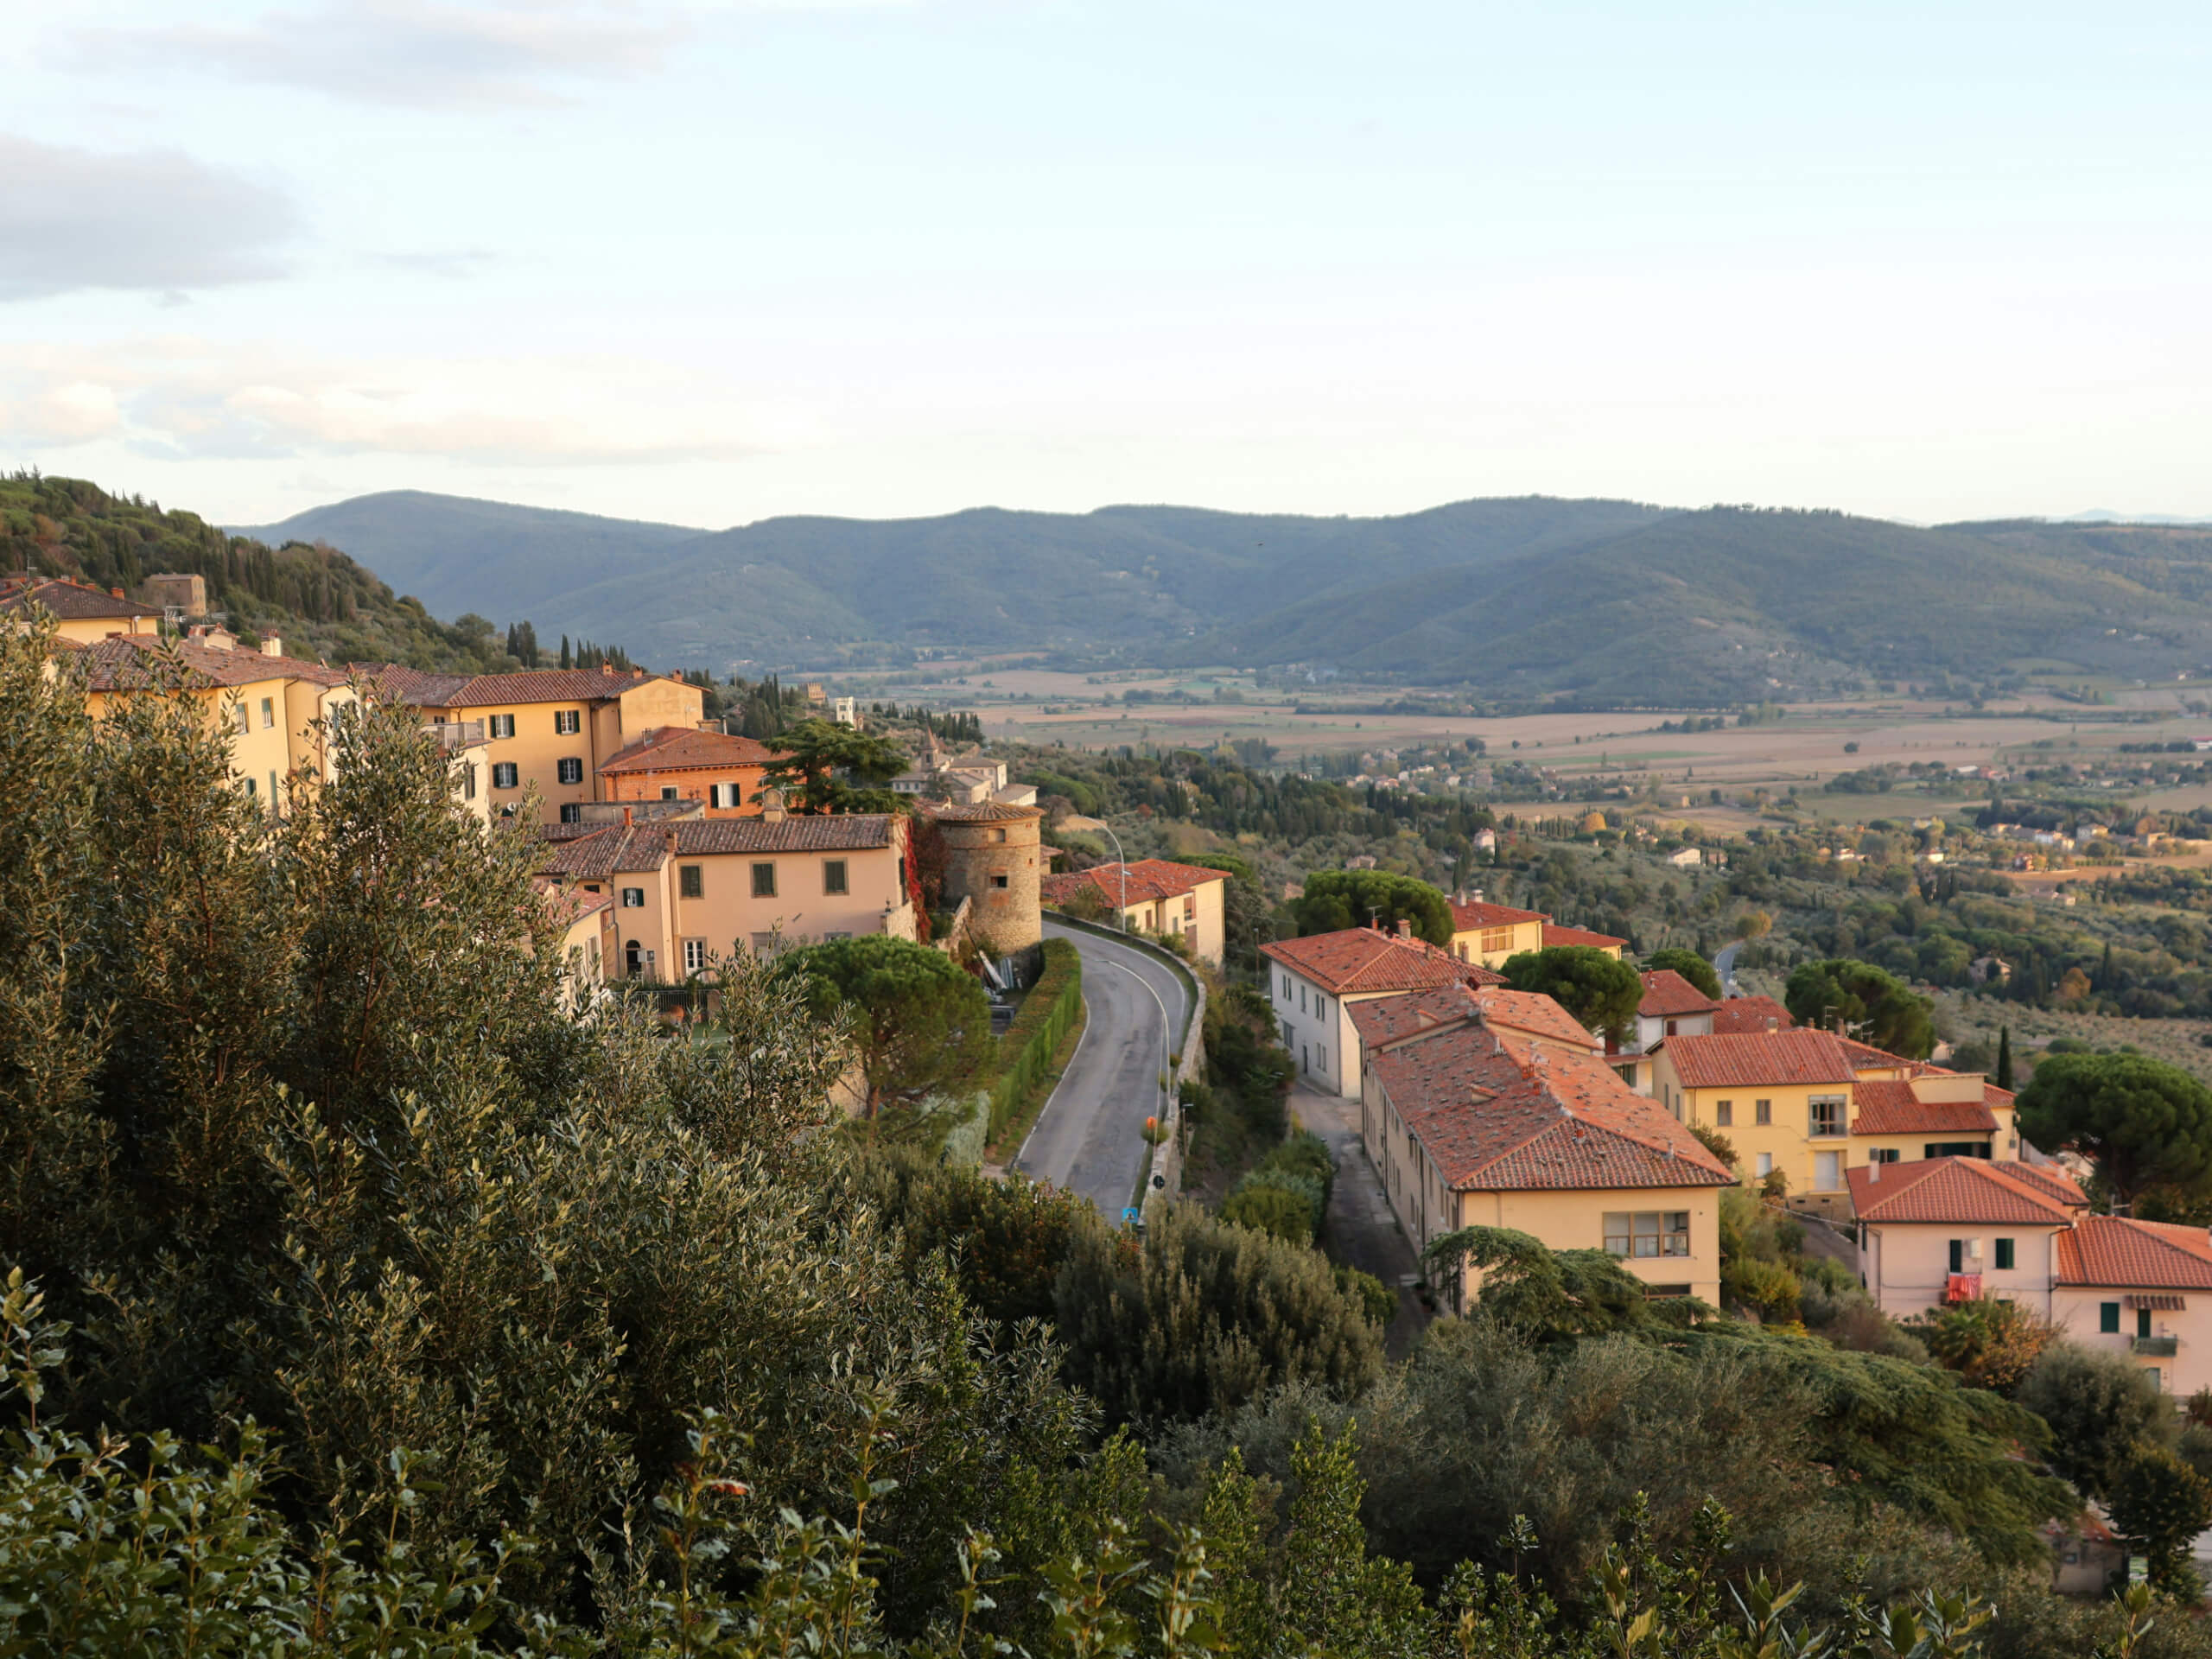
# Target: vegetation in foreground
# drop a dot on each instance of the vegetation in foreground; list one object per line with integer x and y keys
{"x": 363, "y": 1300}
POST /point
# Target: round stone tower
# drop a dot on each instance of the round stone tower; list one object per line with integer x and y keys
{"x": 993, "y": 858}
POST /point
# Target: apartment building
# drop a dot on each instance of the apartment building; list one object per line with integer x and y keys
{"x": 687, "y": 892}
{"x": 551, "y": 728}
{"x": 1940, "y": 1231}
{"x": 720, "y": 771}
{"x": 275, "y": 709}
{"x": 1811, "y": 1105}
{"x": 1491, "y": 934}
{"x": 1313, "y": 983}
{"x": 1470, "y": 1124}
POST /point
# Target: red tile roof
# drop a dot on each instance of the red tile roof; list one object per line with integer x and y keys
{"x": 1747, "y": 1060}
{"x": 1521, "y": 1013}
{"x": 1739, "y": 1015}
{"x": 1557, "y": 934}
{"x": 490, "y": 690}
{"x": 1149, "y": 879}
{"x": 2116, "y": 1252}
{"x": 1667, "y": 995}
{"x": 1960, "y": 1189}
{"x": 1497, "y": 1114}
{"x": 1467, "y": 918}
{"x": 136, "y": 662}
{"x": 1359, "y": 960}
{"x": 600, "y": 855}
{"x": 835, "y": 832}
{"x": 570, "y": 905}
{"x": 70, "y": 601}
{"x": 1888, "y": 1106}
{"x": 990, "y": 812}
{"x": 681, "y": 748}
{"x": 1534, "y": 1013}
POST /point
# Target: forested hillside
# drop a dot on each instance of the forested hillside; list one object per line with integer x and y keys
{"x": 1601, "y": 600}
{"x": 318, "y": 599}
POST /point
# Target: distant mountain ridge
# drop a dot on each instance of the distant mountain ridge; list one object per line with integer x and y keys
{"x": 1521, "y": 596}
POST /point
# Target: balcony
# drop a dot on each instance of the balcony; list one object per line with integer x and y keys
{"x": 1961, "y": 1287}
{"x": 456, "y": 733}
{"x": 2156, "y": 1347}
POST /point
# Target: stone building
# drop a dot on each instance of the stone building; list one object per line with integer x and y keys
{"x": 993, "y": 858}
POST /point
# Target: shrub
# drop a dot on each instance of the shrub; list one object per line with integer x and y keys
{"x": 2098, "y": 1405}
{"x": 1280, "y": 1211}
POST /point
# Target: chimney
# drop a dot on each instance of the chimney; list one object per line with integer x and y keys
{"x": 118, "y": 592}
{"x": 607, "y": 668}
{"x": 626, "y": 815}
{"x": 1873, "y": 1170}
{"x": 1405, "y": 928}
{"x": 272, "y": 645}
{"x": 772, "y": 806}
{"x": 670, "y": 836}
{"x": 1773, "y": 1025}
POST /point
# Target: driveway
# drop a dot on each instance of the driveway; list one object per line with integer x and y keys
{"x": 1089, "y": 1138}
{"x": 1361, "y": 1231}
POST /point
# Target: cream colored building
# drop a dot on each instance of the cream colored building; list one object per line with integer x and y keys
{"x": 690, "y": 892}
{"x": 1315, "y": 983}
{"x": 83, "y": 614}
{"x": 1152, "y": 895}
{"x": 1493, "y": 934}
{"x": 1938, "y": 1232}
{"x": 1469, "y": 1125}
{"x": 553, "y": 728}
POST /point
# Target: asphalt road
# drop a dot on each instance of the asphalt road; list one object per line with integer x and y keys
{"x": 1089, "y": 1138}
{"x": 1724, "y": 964}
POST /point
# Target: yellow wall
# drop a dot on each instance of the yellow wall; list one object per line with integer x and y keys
{"x": 1204, "y": 929}
{"x": 91, "y": 630}
{"x": 1575, "y": 1221}
{"x": 604, "y": 728}
{"x": 728, "y": 917}
{"x": 1467, "y": 945}
{"x": 1783, "y": 1140}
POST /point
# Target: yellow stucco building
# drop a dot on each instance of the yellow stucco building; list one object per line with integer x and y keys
{"x": 83, "y": 614}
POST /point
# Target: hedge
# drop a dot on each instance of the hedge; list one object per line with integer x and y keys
{"x": 1046, "y": 1015}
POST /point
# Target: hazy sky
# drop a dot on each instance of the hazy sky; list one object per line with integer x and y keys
{"x": 709, "y": 262}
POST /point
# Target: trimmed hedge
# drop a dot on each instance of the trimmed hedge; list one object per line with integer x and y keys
{"x": 1046, "y": 1017}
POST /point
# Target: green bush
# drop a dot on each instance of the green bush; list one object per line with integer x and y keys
{"x": 1030, "y": 1044}
{"x": 1379, "y": 1302}
{"x": 1286, "y": 1192}
{"x": 1282, "y": 1211}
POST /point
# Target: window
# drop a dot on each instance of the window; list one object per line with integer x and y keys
{"x": 695, "y": 955}
{"x": 1496, "y": 939}
{"x": 668, "y": 791}
{"x": 268, "y": 712}
{"x": 722, "y": 795}
{"x": 764, "y": 945}
{"x": 499, "y": 726}
{"x": 691, "y": 881}
{"x": 504, "y": 775}
{"x": 1670, "y": 1027}
{"x": 1883, "y": 1155}
{"x": 272, "y": 790}
{"x": 764, "y": 881}
{"x": 998, "y": 834}
{"x": 246, "y": 721}
{"x": 1827, "y": 1172}
{"x": 572, "y": 812}
{"x": 1724, "y": 1114}
{"x": 1766, "y": 1165}
{"x": 2142, "y": 1321}
{"x": 2108, "y": 1319}
{"x": 1956, "y": 1149}
{"x": 570, "y": 770}
{"x": 1958, "y": 1256}
{"x": 834, "y": 877}
{"x": 566, "y": 722}
{"x": 1191, "y": 907}
{"x": 468, "y": 780}
{"x": 1826, "y": 1114}
{"x": 1762, "y": 1112}
{"x": 998, "y": 881}
{"x": 2004, "y": 1255}
{"x": 1648, "y": 1232}
{"x": 1463, "y": 953}
{"x": 1301, "y": 996}
{"x": 633, "y": 898}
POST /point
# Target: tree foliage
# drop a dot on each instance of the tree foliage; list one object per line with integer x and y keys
{"x": 917, "y": 1020}
{"x": 2098, "y": 1405}
{"x": 1600, "y": 991}
{"x": 2143, "y": 1123}
{"x": 822, "y": 766}
{"x": 1876, "y": 1005}
{"x": 1335, "y": 900}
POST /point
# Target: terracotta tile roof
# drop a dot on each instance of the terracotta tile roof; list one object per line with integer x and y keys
{"x": 570, "y": 905}
{"x": 1668, "y": 995}
{"x": 1740, "y": 1014}
{"x": 681, "y": 748}
{"x": 70, "y": 601}
{"x": 1150, "y": 879}
{"x": 1494, "y": 1113}
{"x": 836, "y": 832}
{"x": 1749, "y": 1059}
{"x": 2048, "y": 1180}
{"x": 1393, "y": 1019}
{"x": 490, "y": 690}
{"x": 607, "y": 852}
{"x": 1557, "y": 934}
{"x": 1534, "y": 1013}
{"x": 2115, "y": 1252}
{"x": 132, "y": 662}
{"x": 1888, "y": 1106}
{"x": 1997, "y": 1100}
{"x": 990, "y": 812}
{"x": 1359, "y": 961}
{"x": 1467, "y": 918}
{"x": 1957, "y": 1190}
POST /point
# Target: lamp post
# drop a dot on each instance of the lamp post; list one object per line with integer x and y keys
{"x": 1121, "y": 862}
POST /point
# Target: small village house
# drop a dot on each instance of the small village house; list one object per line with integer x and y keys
{"x": 83, "y": 614}
{"x": 1491, "y": 934}
{"x": 1314, "y": 983}
{"x": 1940, "y": 1231}
{"x": 1153, "y": 895}
{"x": 720, "y": 771}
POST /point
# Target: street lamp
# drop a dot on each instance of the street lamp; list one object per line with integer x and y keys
{"x": 1121, "y": 861}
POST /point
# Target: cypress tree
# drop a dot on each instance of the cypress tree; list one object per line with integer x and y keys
{"x": 2004, "y": 1057}
{"x": 565, "y": 663}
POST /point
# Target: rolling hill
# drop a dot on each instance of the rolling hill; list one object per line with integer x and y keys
{"x": 1525, "y": 596}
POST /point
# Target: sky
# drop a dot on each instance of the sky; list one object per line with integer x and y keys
{"x": 709, "y": 262}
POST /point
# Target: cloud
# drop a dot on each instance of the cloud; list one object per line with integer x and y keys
{"x": 183, "y": 399}
{"x": 153, "y": 220}
{"x": 409, "y": 53}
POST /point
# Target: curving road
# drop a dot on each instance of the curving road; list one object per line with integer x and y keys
{"x": 1724, "y": 964}
{"x": 1089, "y": 1138}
